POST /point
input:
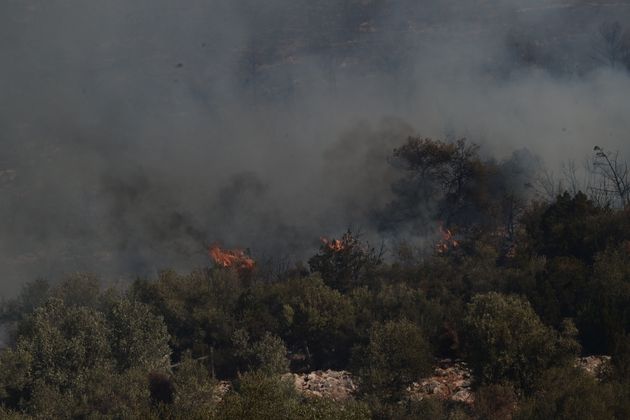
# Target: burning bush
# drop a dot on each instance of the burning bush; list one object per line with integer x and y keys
{"x": 447, "y": 240}
{"x": 344, "y": 263}
{"x": 231, "y": 258}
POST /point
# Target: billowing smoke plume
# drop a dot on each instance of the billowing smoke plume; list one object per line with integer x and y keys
{"x": 136, "y": 132}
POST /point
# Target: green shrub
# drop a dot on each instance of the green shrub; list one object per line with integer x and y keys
{"x": 260, "y": 396}
{"x": 269, "y": 354}
{"x": 507, "y": 342}
{"x": 568, "y": 394}
{"x": 396, "y": 355}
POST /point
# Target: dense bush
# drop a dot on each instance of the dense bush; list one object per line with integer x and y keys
{"x": 268, "y": 355}
{"x": 259, "y": 396}
{"x": 507, "y": 342}
{"x": 568, "y": 393}
{"x": 396, "y": 355}
{"x": 496, "y": 401}
{"x": 70, "y": 361}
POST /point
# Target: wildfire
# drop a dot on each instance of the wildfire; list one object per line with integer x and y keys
{"x": 335, "y": 245}
{"x": 231, "y": 258}
{"x": 447, "y": 240}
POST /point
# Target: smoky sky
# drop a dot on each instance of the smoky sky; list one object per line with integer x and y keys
{"x": 134, "y": 133}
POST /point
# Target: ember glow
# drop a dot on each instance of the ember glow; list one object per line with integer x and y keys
{"x": 447, "y": 240}
{"x": 334, "y": 245}
{"x": 231, "y": 258}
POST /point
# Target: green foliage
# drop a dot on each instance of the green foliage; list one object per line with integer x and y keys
{"x": 137, "y": 337}
{"x": 605, "y": 315}
{"x": 322, "y": 319}
{"x": 506, "y": 341}
{"x": 396, "y": 302}
{"x": 260, "y": 396}
{"x": 269, "y": 354}
{"x": 94, "y": 391}
{"x": 620, "y": 369}
{"x": 8, "y": 414}
{"x": 31, "y": 297}
{"x": 78, "y": 289}
{"x": 97, "y": 393}
{"x": 326, "y": 409}
{"x": 63, "y": 342}
{"x": 568, "y": 393}
{"x": 75, "y": 361}
{"x": 196, "y": 392}
{"x": 563, "y": 288}
{"x": 574, "y": 226}
{"x": 583, "y": 249}
{"x": 496, "y": 401}
{"x": 429, "y": 408}
{"x": 308, "y": 315}
{"x": 396, "y": 355}
{"x": 198, "y": 310}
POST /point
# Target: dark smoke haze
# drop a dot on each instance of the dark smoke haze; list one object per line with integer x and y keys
{"x": 135, "y": 132}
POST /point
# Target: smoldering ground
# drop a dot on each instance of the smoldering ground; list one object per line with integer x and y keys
{"x": 134, "y": 133}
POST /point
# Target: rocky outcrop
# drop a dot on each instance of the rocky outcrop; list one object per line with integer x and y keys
{"x": 596, "y": 366}
{"x": 451, "y": 380}
{"x": 221, "y": 389}
{"x": 336, "y": 385}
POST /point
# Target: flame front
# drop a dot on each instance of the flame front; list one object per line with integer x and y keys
{"x": 231, "y": 258}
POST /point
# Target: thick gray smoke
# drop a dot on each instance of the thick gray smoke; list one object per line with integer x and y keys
{"x": 136, "y": 132}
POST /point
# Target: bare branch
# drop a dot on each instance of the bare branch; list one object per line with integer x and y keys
{"x": 613, "y": 176}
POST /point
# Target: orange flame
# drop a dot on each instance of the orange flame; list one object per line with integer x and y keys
{"x": 447, "y": 240}
{"x": 334, "y": 245}
{"x": 231, "y": 258}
